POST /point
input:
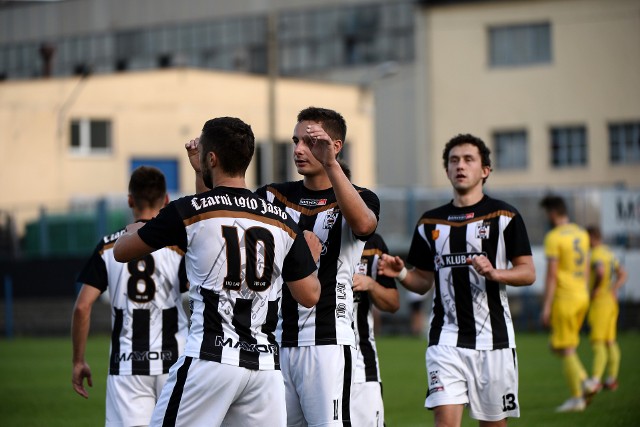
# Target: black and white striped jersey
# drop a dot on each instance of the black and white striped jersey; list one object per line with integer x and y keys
{"x": 367, "y": 367}
{"x": 240, "y": 249}
{"x": 148, "y": 321}
{"x": 331, "y": 320}
{"x": 468, "y": 310}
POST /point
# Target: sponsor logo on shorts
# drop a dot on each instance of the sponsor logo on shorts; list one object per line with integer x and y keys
{"x": 243, "y": 345}
{"x": 435, "y": 385}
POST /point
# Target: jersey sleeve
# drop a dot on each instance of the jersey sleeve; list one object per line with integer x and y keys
{"x": 420, "y": 253}
{"x": 373, "y": 203}
{"x": 298, "y": 263}
{"x": 94, "y": 272}
{"x": 166, "y": 229}
{"x": 516, "y": 239}
{"x": 384, "y": 281}
{"x": 262, "y": 192}
{"x": 551, "y": 249}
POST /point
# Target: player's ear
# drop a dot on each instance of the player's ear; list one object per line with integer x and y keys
{"x": 166, "y": 200}
{"x": 337, "y": 146}
{"x": 486, "y": 170}
{"x": 130, "y": 201}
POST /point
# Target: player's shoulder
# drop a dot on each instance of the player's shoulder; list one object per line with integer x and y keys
{"x": 110, "y": 239}
{"x": 375, "y": 241}
{"x": 284, "y": 188}
{"x": 500, "y": 206}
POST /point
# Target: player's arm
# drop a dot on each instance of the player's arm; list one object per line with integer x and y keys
{"x": 550, "y": 284}
{"x": 130, "y": 246}
{"x": 193, "y": 153}
{"x": 306, "y": 291}
{"x": 80, "y": 323}
{"x": 598, "y": 274}
{"x": 361, "y": 219}
{"x": 521, "y": 273}
{"x": 385, "y": 299}
{"x": 621, "y": 278}
{"x": 415, "y": 279}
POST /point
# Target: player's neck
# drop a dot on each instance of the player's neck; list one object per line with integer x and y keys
{"x": 563, "y": 220}
{"x": 317, "y": 182}
{"x": 144, "y": 214}
{"x": 230, "y": 181}
{"x": 463, "y": 200}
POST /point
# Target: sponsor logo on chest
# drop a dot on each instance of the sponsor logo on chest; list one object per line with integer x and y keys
{"x": 312, "y": 202}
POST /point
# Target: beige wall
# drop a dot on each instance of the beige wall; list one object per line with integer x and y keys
{"x": 153, "y": 114}
{"x": 593, "y": 78}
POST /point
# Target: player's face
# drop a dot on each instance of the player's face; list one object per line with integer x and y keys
{"x": 306, "y": 163}
{"x": 464, "y": 168}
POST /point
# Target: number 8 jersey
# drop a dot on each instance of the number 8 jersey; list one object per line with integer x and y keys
{"x": 148, "y": 321}
{"x": 240, "y": 249}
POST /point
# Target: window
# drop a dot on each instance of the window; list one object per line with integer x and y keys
{"x": 511, "y": 149}
{"x": 624, "y": 143}
{"x": 515, "y": 45}
{"x": 569, "y": 146}
{"x": 89, "y": 136}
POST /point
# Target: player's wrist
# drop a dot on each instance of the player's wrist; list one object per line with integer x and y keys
{"x": 402, "y": 274}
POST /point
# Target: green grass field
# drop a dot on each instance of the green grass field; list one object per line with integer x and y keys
{"x": 35, "y": 385}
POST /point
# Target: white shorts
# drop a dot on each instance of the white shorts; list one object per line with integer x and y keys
{"x": 318, "y": 383}
{"x": 485, "y": 380}
{"x": 205, "y": 393}
{"x": 367, "y": 409}
{"x": 131, "y": 399}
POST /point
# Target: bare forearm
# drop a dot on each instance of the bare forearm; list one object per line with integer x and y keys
{"x": 519, "y": 275}
{"x": 416, "y": 282}
{"x": 385, "y": 299}
{"x": 355, "y": 211}
{"x": 79, "y": 333}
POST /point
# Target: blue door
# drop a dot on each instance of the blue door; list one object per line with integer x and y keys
{"x": 169, "y": 168}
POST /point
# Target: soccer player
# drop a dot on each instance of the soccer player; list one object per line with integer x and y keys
{"x": 240, "y": 251}
{"x": 318, "y": 354}
{"x": 566, "y": 299}
{"x": 149, "y": 325}
{"x": 472, "y": 248}
{"x": 369, "y": 290}
{"x": 603, "y": 311}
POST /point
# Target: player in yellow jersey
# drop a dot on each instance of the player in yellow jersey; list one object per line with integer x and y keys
{"x": 603, "y": 312}
{"x": 566, "y": 297}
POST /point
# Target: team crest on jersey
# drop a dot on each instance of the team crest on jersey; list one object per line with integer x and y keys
{"x": 482, "y": 230}
{"x": 312, "y": 202}
{"x": 462, "y": 217}
{"x": 330, "y": 219}
{"x": 361, "y": 267}
{"x": 435, "y": 234}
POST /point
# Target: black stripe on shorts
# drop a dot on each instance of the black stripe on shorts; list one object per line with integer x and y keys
{"x": 171, "y": 413}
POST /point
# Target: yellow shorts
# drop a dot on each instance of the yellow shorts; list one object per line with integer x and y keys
{"x": 567, "y": 316}
{"x": 603, "y": 319}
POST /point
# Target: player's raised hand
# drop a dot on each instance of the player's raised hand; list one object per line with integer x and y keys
{"x": 390, "y": 266}
{"x": 323, "y": 148}
{"x": 314, "y": 244}
{"x": 80, "y": 372}
{"x": 193, "y": 152}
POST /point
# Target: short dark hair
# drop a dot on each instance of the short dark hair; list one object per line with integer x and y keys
{"x": 552, "y": 203}
{"x": 467, "y": 138}
{"x": 332, "y": 122}
{"x": 232, "y": 141}
{"x": 594, "y": 232}
{"x": 147, "y": 187}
